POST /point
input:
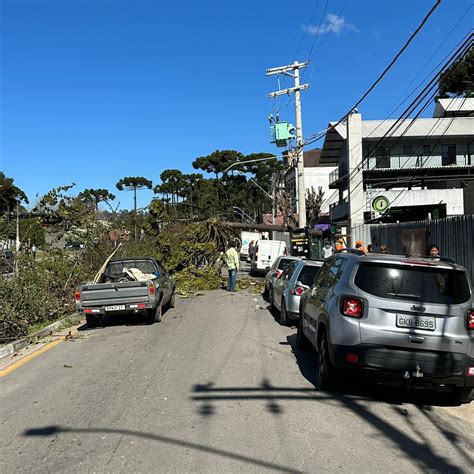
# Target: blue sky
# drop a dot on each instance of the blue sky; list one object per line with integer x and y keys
{"x": 92, "y": 91}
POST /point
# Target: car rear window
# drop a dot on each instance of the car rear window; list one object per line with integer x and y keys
{"x": 308, "y": 274}
{"x": 284, "y": 263}
{"x": 116, "y": 268}
{"x": 428, "y": 285}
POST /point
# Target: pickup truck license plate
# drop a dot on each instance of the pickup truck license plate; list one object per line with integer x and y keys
{"x": 427, "y": 323}
{"x": 115, "y": 307}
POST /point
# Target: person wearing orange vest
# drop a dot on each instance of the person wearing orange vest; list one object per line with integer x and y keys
{"x": 340, "y": 244}
{"x": 360, "y": 246}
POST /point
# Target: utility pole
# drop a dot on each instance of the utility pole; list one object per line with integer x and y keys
{"x": 17, "y": 242}
{"x": 295, "y": 74}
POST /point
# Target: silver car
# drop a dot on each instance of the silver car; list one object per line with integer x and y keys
{"x": 288, "y": 288}
{"x": 279, "y": 265}
{"x": 402, "y": 320}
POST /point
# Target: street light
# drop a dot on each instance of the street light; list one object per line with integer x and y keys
{"x": 250, "y": 161}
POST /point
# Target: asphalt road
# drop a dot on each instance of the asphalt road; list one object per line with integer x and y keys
{"x": 218, "y": 386}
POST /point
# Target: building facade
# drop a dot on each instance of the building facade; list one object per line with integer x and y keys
{"x": 403, "y": 170}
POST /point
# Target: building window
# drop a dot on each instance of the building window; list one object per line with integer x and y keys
{"x": 382, "y": 157}
{"x": 426, "y": 150}
{"x": 407, "y": 150}
{"x": 448, "y": 153}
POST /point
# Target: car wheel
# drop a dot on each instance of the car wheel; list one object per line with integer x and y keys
{"x": 283, "y": 313}
{"x": 265, "y": 292}
{"x": 154, "y": 316}
{"x": 92, "y": 321}
{"x": 325, "y": 371}
{"x": 270, "y": 299}
{"x": 172, "y": 302}
{"x": 462, "y": 395}
{"x": 302, "y": 342}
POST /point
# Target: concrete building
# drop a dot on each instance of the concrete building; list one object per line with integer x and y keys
{"x": 403, "y": 170}
{"x": 316, "y": 175}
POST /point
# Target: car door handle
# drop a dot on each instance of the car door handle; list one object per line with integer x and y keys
{"x": 416, "y": 339}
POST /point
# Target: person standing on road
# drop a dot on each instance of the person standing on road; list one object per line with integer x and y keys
{"x": 233, "y": 262}
{"x": 360, "y": 246}
{"x": 33, "y": 251}
{"x": 327, "y": 250}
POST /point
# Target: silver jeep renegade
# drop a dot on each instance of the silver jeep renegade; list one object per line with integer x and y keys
{"x": 400, "y": 319}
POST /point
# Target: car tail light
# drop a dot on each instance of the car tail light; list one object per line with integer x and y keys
{"x": 352, "y": 307}
{"x": 470, "y": 319}
{"x": 151, "y": 289}
{"x": 77, "y": 296}
{"x": 470, "y": 371}
{"x": 278, "y": 273}
{"x": 299, "y": 290}
{"x": 352, "y": 358}
{"x": 141, "y": 305}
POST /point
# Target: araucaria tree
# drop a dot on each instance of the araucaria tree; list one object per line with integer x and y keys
{"x": 134, "y": 184}
{"x": 96, "y": 196}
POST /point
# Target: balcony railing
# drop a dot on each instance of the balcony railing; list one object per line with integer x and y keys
{"x": 339, "y": 210}
{"x": 417, "y": 161}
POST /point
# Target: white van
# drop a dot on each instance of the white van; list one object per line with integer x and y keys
{"x": 266, "y": 252}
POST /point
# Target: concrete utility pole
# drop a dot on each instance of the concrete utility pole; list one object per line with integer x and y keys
{"x": 354, "y": 161}
{"x": 301, "y": 190}
{"x": 17, "y": 242}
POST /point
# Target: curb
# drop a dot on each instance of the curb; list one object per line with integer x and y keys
{"x": 19, "y": 344}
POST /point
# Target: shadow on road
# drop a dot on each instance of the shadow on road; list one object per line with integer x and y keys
{"x": 57, "y": 430}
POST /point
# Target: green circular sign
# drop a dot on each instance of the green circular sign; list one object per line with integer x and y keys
{"x": 380, "y": 204}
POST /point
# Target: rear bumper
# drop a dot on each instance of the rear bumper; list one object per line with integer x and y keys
{"x": 416, "y": 367}
{"x": 129, "y": 308}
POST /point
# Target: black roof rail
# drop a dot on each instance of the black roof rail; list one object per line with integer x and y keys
{"x": 445, "y": 259}
{"x": 349, "y": 250}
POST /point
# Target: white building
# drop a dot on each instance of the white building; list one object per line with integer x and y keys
{"x": 424, "y": 168}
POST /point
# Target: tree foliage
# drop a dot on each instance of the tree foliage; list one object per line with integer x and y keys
{"x": 10, "y": 194}
{"x": 458, "y": 80}
{"x": 134, "y": 182}
{"x": 96, "y": 196}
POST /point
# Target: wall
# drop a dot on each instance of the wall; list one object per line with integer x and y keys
{"x": 453, "y": 235}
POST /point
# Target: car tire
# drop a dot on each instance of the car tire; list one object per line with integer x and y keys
{"x": 265, "y": 293}
{"x": 92, "y": 321}
{"x": 462, "y": 395}
{"x": 283, "y": 313}
{"x": 270, "y": 299}
{"x": 172, "y": 302}
{"x": 325, "y": 376}
{"x": 155, "y": 315}
{"x": 302, "y": 342}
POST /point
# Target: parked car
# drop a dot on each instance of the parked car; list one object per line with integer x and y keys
{"x": 266, "y": 252}
{"x": 289, "y": 287}
{"x": 278, "y": 267}
{"x": 121, "y": 290}
{"x": 404, "y": 320}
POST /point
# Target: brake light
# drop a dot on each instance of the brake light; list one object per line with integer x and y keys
{"x": 352, "y": 307}
{"x": 151, "y": 289}
{"x": 77, "y": 296}
{"x": 278, "y": 273}
{"x": 470, "y": 319}
{"x": 298, "y": 291}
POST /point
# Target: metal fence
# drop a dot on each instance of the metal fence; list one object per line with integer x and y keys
{"x": 453, "y": 235}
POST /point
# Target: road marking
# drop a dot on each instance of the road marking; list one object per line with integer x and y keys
{"x": 27, "y": 358}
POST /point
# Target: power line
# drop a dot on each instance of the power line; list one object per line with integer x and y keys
{"x": 318, "y": 30}
{"x": 306, "y": 28}
{"x": 460, "y": 52}
{"x": 389, "y": 66}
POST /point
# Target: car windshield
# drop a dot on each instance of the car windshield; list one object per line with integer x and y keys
{"x": 308, "y": 274}
{"x": 427, "y": 285}
{"x": 116, "y": 268}
{"x": 284, "y": 263}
